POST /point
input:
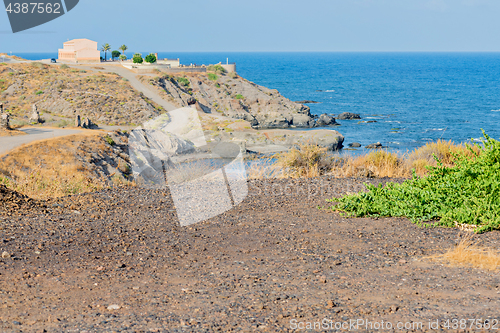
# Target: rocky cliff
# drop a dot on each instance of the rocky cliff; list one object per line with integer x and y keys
{"x": 237, "y": 98}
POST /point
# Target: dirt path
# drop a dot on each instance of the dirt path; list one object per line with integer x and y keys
{"x": 119, "y": 261}
{"x": 34, "y": 134}
{"x": 136, "y": 84}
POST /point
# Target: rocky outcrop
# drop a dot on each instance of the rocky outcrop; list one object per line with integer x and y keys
{"x": 326, "y": 120}
{"x": 4, "y": 121}
{"x": 237, "y": 98}
{"x": 348, "y": 116}
{"x": 35, "y": 116}
{"x": 354, "y": 145}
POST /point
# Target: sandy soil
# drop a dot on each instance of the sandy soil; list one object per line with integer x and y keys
{"x": 118, "y": 261}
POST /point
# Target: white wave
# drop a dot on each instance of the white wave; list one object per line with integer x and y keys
{"x": 495, "y": 110}
{"x": 329, "y": 90}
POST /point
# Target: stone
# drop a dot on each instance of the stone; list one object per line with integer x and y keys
{"x": 191, "y": 101}
{"x": 326, "y": 120}
{"x": 5, "y": 255}
{"x": 302, "y": 120}
{"x": 348, "y": 116}
{"x": 4, "y": 121}
{"x": 114, "y": 307}
{"x": 374, "y": 145}
{"x": 355, "y": 145}
{"x": 35, "y": 115}
{"x": 78, "y": 122}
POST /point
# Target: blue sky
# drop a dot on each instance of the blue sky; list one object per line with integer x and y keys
{"x": 267, "y": 25}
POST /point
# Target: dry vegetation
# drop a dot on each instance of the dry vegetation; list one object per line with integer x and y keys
{"x": 62, "y": 93}
{"x": 310, "y": 161}
{"x": 468, "y": 253}
{"x": 64, "y": 166}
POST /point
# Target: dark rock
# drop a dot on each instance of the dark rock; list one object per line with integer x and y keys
{"x": 348, "y": 116}
{"x": 191, "y": 101}
{"x": 326, "y": 120}
{"x": 374, "y": 145}
{"x": 354, "y": 145}
{"x": 307, "y": 102}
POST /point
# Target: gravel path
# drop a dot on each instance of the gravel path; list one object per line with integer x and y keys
{"x": 118, "y": 261}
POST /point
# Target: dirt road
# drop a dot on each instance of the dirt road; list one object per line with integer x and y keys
{"x": 119, "y": 261}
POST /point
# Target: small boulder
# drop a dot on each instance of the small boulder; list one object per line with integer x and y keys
{"x": 78, "y": 122}
{"x": 374, "y": 145}
{"x": 355, "y": 145}
{"x": 4, "y": 121}
{"x": 348, "y": 116}
{"x": 326, "y": 120}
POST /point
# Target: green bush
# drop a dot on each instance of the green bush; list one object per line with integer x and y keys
{"x": 466, "y": 193}
{"x": 39, "y": 92}
{"x": 137, "y": 59}
{"x": 218, "y": 69}
{"x": 151, "y": 58}
{"x": 212, "y": 76}
{"x": 239, "y": 96}
{"x": 183, "y": 81}
{"x": 109, "y": 140}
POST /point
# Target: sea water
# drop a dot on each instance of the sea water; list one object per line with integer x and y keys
{"x": 414, "y": 98}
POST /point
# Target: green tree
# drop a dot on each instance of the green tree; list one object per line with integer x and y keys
{"x": 123, "y": 57}
{"x": 137, "y": 59}
{"x": 123, "y": 48}
{"x": 151, "y": 58}
{"x": 115, "y": 54}
{"x": 105, "y": 48}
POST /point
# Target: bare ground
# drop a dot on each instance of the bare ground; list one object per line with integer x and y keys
{"x": 272, "y": 262}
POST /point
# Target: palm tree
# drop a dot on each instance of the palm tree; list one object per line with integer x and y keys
{"x": 105, "y": 48}
{"x": 123, "y": 48}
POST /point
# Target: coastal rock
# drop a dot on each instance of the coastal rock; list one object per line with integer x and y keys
{"x": 354, "y": 145}
{"x": 374, "y": 145}
{"x": 307, "y": 102}
{"x": 329, "y": 139}
{"x": 348, "y": 116}
{"x": 326, "y": 120}
{"x": 302, "y": 120}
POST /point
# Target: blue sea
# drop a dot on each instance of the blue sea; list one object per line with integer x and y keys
{"x": 414, "y": 98}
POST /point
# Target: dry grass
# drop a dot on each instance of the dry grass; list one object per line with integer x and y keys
{"x": 469, "y": 253}
{"x": 11, "y": 132}
{"x": 381, "y": 163}
{"x": 311, "y": 161}
{"x": 306, "y": 161}
{"x": 263, "y": 168}
{"x": 56, "y": 168}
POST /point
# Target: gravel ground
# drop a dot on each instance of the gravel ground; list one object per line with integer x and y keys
{"x": 118, "y": 261}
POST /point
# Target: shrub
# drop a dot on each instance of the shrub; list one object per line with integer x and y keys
{"x": 467, "y": 193}
{"x": 239, "y": 96}
{"x": 123, "y": 57}
{"x": 137, "y": 59}
{"x": 39, "y": 92}
{"x": 109, "y": 140}
{"x": 212, "y": 76}
{"x": 218, "y": 69}
{"x": 183, "y": 81}
{"x": 307, "y": 161}
{"x": 38, "y": 65}
{"x": 151, "y": 58}
{"x": 64, "y": 66}
{"x": 233, "y": 75}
